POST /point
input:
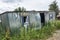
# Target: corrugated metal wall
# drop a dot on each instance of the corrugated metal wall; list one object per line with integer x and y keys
{"x": 14, "y": 21}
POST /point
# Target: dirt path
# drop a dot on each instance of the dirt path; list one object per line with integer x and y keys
{"x": 56, "y": 36}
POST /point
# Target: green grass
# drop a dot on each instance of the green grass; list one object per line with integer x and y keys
{"x": 32, "y": 34}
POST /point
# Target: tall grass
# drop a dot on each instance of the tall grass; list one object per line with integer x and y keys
{"x": 30, "y": 33}
{"x": 57, "y": 24}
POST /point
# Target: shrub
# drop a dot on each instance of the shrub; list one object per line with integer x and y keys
{"x": 30, "y": 33}
{"x": 57, "y": 24}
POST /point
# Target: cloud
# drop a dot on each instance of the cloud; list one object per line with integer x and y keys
{"x": 4, "y": 6}
{"x": 36, "y": 4}
{"x": 11, "y": 1}
{"x": 9, "y": 5}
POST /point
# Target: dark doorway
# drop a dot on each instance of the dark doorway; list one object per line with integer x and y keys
{"x": 42, "y": 18}
{"x": 24, "y": 19}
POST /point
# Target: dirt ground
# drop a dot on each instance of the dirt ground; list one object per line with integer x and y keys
{"x": 56, "y": 36}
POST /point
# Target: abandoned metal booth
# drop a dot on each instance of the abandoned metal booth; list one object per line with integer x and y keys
{"x": 14, "y": 20}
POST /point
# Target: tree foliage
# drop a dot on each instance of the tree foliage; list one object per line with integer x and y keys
{"x": 20, "y": 9}
{"x": 54, "y": 7}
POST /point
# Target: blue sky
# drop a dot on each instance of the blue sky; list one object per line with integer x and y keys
{"x": 9, "y": 5}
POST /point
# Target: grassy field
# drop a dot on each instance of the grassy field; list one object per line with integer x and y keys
{"x": 31, "y": 34}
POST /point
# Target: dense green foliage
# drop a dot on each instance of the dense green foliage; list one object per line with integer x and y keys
{"x": 20, "y": 9}
{"x": 32, "y": 34}
{"x": 57, "y": 24}
{"x": 54, "y": 7}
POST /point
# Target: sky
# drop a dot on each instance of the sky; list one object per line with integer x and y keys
{"x": 39, "y": 5}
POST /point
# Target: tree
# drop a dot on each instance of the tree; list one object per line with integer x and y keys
{"x": 23, "y": 9}
{"x": 54, "y": 7}
{"x": 20, "y": 9}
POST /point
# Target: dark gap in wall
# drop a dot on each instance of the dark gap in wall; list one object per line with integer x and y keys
{"x": 24, "y": 18}
{"x": 42, "y": 18}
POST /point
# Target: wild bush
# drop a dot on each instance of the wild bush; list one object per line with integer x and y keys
{"x": 30, "y": 33}
{"x": 57, "y": 24}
